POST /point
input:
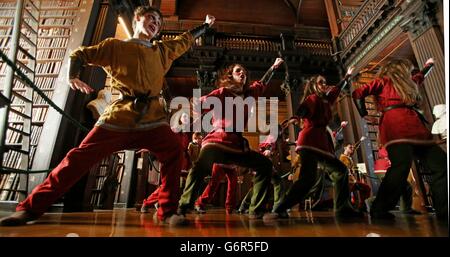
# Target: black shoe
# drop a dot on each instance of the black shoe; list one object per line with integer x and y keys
{"x": 19, "y": 218}
{"x": 182, "y": 211}
{"x": 382, "y": 215}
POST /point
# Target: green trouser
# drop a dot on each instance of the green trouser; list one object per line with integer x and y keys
{"x": 203, "y": 166}
{"x": 402, "y": 156}
{"x": 245, "y": 204}
{"x": 406, "y": 197}
{"x": 308, "y": 172}
{"x": 280, "y": 187}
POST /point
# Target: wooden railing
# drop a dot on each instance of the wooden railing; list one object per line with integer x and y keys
{"x": 262, "y": 44}
{"x": 364, "y": 18}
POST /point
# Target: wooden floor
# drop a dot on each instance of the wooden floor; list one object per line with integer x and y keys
{"x": 215, "y": 223}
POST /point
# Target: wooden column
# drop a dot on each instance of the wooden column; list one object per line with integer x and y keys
{"x": 427, "y": 41}
{"x": 333, "y": 17}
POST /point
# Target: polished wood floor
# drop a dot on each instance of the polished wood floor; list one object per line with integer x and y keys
{"x": 215, "y": 223}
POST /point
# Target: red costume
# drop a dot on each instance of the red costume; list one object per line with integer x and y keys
{"x": 185, "y": 165}
{"x": 219, "y": 137}
{"x": 218, "y": 172}
{"x": 382, "y": 163}
{"x": 399, "y": 125}
{"x": 314, "y": 135}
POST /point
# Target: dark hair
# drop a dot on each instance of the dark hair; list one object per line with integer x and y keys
{"x": 196, "y": 134}
{"x": 225, "y": 77}
{"x": 142, "y": 10}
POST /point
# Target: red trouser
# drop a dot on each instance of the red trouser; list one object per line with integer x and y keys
{"x": 218, "y": 172}
{"x": 100, "y": 143}
{"x": 363, "y": 190}
{"x": 152, "y": 198}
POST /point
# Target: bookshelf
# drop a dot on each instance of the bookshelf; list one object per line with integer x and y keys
{"x": 373, "y": 126}
{"x": 371, "y": 107}
{"x": 104, "y": 182}
{"x": 56, "y": 24}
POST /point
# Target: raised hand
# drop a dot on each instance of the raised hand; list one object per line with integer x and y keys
{"x": 77, "y": 84}
{"x": 210, "y": 19}
{"x": 277, "y": 63}
{"x": 429, "y": 61}
{"x": 350, "y": 71}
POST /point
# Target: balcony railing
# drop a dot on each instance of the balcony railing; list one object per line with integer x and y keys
{"x": 262, "y": 44}
{"x": 364, "y": 18}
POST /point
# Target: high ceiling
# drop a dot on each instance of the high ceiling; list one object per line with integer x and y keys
{"x": 270, "y": 12}
{"x": 237, "y": 16}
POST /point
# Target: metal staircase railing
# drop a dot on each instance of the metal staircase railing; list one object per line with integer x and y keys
{"x": 16, "y": 116}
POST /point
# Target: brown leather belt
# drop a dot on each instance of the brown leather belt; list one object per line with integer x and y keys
{"x": 412, "y": 107}
{"x": 140, "y": 103}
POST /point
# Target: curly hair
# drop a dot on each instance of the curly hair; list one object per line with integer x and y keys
{"x": 399, "y": 71}
{"x": 225, "y": 77}
{"x": 142, "y": 10}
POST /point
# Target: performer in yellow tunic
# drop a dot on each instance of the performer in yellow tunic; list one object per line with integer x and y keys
{"x": 137, "y": 120}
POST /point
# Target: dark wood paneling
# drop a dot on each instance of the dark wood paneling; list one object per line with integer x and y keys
{"x": 260, "y": 12}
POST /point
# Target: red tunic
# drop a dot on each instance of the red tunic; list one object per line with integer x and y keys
{"x": 268, "y": 144}
{"x": 218, "y": 136}
{"x": 185, "y": 140}
{"x": 382, "y": 163}
{"x": 399, "y": 125}
{"x": 314, "y": 135}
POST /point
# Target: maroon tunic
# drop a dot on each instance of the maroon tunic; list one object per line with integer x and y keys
{"x": 314, "y": 135}
{"x": 399, "y": 125}
{"x": 230, "y": 141}
{"x": 184, "y": 138}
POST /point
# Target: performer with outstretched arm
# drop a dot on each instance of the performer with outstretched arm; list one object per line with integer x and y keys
{"x": 403, "y": 133}
{"x": 314, "y": 145}
{"x": 221, "y": 146}
{"x": 136, "y": 121}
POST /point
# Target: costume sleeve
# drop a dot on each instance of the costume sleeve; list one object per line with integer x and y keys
{"x": 345, "y": 161}
{"x": 98, "y": 55}
{"x": 305, "y": 109}
{"x": 373, "y": 88}
{"x": 333, "y": 94}
{"x": 174, "y": 48}
{"x": 256, "y": 89}
{"x": 419, "y": 77}
{"x": 215, "y": 93}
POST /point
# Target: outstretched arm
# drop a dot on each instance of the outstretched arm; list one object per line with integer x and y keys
{"x": 200, "y": 30}
{"x": 269, "y": 73}
{"x": 75, "y": 83}
{"x": 420, "y": 76}
{"x": 428, "y": 66}
{"x": 360, "y": 104}
{"x": 344, "y": 82}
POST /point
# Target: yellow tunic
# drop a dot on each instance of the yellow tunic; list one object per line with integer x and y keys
{"x": 134, "y": 68}
{"x": 347, "y": 160}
